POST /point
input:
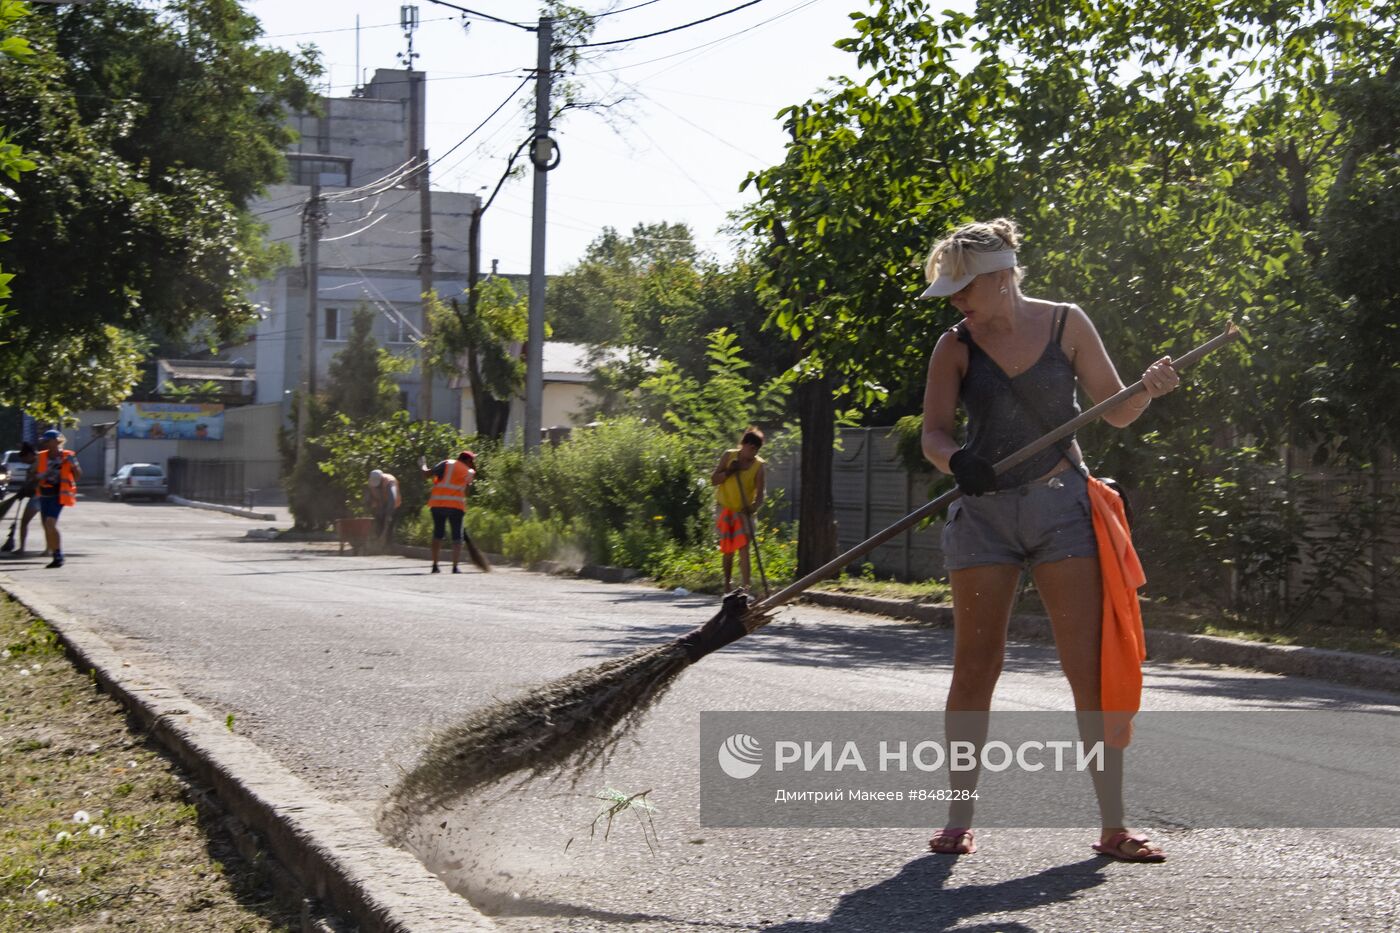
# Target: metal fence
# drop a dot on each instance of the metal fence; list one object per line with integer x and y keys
{"x": 231, "y": 482}
{"x": 1347, "y": 516}
{"x": 871, "y": 490}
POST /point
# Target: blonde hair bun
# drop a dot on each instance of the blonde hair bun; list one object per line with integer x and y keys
{"x": 982, "y": 236}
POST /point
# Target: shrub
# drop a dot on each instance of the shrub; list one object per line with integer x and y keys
{"x": 393, "y": 444}
{"x": 531, "y": 540}
{"x": 488, "y": 528}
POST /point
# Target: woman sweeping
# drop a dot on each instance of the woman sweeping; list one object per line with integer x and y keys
{"x": 1013, "y": 363}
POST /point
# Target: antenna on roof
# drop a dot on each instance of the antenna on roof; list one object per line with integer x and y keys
{"x": 408, "y": 20}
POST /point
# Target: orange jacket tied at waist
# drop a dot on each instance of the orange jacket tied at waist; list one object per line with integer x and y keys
{"x": 1124, "y": 648}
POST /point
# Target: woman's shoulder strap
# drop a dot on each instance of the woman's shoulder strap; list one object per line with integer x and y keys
{"x": 1061, "y": 316}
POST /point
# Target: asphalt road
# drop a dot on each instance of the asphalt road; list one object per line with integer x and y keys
{"x": 341, "y": 666}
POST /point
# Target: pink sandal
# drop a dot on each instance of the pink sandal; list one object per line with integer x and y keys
{"x": 949, "y": 841}
{"x": 1114, "y": 848}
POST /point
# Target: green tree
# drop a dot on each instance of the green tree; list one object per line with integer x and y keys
{"x": 150, "y": 126}
{"x": 393, "y": 444}
{"x": 360, "y": 396}
{"x": 1172, "y": 165}
{"x": 12, "y": 160}
{"x": 361, "y": 383}
{"x": 479, "y": 339}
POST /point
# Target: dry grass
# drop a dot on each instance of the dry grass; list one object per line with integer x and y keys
{"x": 158, "y": 862}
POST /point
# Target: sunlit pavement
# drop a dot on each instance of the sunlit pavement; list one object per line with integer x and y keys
{"x": 340, "y": 666}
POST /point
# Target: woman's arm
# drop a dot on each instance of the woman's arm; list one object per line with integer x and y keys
{"x": 1097, "y": 374}
{"x": 941, "y": 401}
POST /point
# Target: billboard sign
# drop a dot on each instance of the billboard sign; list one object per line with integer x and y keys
{"x": 171, "y": 421}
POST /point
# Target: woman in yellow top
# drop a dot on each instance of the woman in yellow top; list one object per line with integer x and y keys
{"x": 738, "y": 482}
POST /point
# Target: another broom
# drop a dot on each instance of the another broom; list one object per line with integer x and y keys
{"x": 577, "y": 719}
{"x": 475, "y": 554}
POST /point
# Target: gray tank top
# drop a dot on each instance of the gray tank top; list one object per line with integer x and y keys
{"x": 999, "y": 421}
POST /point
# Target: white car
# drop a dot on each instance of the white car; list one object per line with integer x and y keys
{"x": 13, "y": 470}
{"x": 136, "y": 480}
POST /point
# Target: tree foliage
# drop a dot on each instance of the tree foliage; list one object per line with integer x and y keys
{"x": 361, "y": 386}
{"x": 394, "y": 444}
{"x": 479, "y": 339}
{"x": 1173, "y": 164}
{"x": 150, "y": 125}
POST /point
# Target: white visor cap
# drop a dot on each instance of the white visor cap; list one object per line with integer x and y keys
{"x": 376, "y": 477}
{"x": 975, "y": 263}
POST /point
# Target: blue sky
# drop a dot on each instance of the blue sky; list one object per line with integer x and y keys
{"x": 700, "y": 112}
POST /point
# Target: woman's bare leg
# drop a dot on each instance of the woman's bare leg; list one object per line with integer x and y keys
{"x": 1072, "y": 593}
{"x": 982, "y": 599}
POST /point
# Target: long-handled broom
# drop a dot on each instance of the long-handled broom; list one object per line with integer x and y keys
{"x": 753, "y": 533}
{"x": 9, "y": 544}
{"x": 577, "y": 719}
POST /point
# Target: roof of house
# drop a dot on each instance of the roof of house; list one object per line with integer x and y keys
{"x": 208, "y": 370}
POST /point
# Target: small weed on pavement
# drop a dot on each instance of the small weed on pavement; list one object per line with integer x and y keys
{"x": 100, "y": 829}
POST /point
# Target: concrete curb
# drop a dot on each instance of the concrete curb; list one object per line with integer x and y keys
{"x": 590, "y": 571}
{"x": 230, "y": 509}
{"x": 1360, "y": 670}
{"x": 332, "y": 851}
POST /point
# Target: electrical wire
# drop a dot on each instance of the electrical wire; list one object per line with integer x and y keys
{"x": 320, "y": 32}
{"x": 392, "y": 312}
{"x": 355, "y": 233}
{"x": 701, "y": 47}
{"x": 662, "y": 32}
{"x": 486, "y": 16}
{"x": 510, "y": 97}
{"x": 626, "y": 9}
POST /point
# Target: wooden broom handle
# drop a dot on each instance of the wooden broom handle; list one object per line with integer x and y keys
{"x": 937, "y": 505}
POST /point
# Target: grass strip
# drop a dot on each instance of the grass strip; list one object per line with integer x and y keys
{"x": 100, "y": 827}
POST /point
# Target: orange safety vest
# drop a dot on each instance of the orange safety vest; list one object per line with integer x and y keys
{"x": 67, "y": 483}
{"x": 450, "y": 491}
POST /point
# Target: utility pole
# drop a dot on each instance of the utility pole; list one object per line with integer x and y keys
{"x": 311, "y": 221}
{"x": 425, "y": 279}
{"x": 544, "y": 155}
{"x": 418, "y": 151}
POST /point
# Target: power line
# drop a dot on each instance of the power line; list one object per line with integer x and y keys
{"x": 486, "y": 16}
{"x": 321, "y": 32}
{"x": 483, "y": 123}
{"x": 701, "y": 47}
{"x": 626, "y": 9}
{"x": 663, "y": 32}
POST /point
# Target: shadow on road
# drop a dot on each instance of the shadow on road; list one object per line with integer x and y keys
{"x": 889, "y": 645}
{"x": 918, "y": 898}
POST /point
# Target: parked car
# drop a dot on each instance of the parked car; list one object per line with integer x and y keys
{"x": 13, "y": 470}
{"x": 135, "y": 480}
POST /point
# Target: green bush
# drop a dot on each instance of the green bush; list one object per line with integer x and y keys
{"x": 531, "y": 540}
{"x": 394, "y": 445}
{"x": 488, "y": 528}
{"x": 314, "y": 499}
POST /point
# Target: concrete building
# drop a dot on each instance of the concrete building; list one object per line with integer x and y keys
{"x": 360, "y": 149}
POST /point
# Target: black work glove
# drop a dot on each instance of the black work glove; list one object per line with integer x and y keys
{"x": 973, "y": 473}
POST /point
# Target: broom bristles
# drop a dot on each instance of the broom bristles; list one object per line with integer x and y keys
{"x": 570, "y": 723}
{"x": 476, "y": 556}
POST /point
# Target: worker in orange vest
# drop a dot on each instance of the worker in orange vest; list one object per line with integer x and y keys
{"x": 58, "y": 474}
{"x": 448, "y": 502}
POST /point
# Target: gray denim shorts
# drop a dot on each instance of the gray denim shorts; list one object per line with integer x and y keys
{"x": 1037, "y": 523}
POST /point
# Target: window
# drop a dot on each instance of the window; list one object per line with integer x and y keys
{"x": 399, "y": 330}
{"x": 306, "y": 168}
{"x": 337, "y": 325}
